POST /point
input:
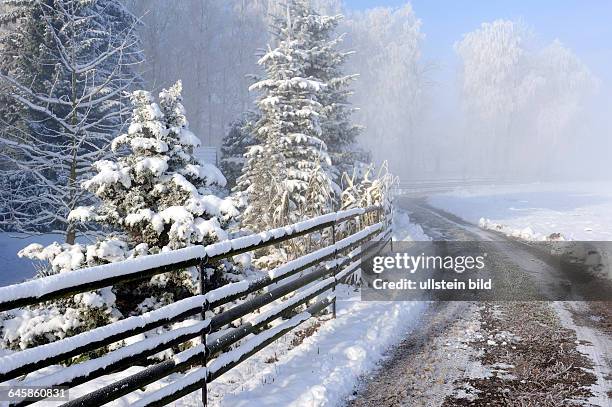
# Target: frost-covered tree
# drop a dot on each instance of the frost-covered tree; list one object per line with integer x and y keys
{"x": 154, "y": 197}
{"x": 520, "y": 100}
{"x": 494, "y": 61}
{"x": 235, "y": 145}
{"x": 289, "y": 160}
{"x": 565, "y": 84}
{"x": 390, "y": 92}
{"x": 64, "y": 69}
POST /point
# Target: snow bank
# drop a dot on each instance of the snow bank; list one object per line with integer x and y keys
{"x": 324, "y": 369}
{"x": 404, "y": 230}
{"x": 526, "y": 233}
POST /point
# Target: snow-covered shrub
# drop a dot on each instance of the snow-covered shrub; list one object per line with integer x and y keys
{"x": 156, "y": 192}
{"x": 373, "y": 188}
{"x": 154, "y": 196}
{"x": 53, "y": 320}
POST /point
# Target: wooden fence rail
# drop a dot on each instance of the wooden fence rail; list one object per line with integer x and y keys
{"x": 313, "y": 274}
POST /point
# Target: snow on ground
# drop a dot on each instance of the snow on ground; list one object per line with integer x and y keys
{"x": 404, "y": 230}
{"x": 14, "y": 269}
{"x": 324, "y": 369}
{"x": 321, "y": 371}
{"x": 593, "y": 343}
{"x": 578, "y": 211}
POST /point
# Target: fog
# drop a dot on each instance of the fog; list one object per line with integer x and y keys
{"x": 504, "y": 103}
{"x": 513, "y": 108}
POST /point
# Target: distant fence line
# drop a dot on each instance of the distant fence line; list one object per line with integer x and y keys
{"x": 421, "y": 187}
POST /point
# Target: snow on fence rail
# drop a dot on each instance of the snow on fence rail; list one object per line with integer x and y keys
{"x": 322, "y": 270}
{"x": 91, "y": 278}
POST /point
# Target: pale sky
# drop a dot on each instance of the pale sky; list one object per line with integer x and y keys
{"x": 583, "y": 26}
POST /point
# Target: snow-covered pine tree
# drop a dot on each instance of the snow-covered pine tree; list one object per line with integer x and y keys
{"x": 64, "y": 69}
{"x": 289, "y": 160}
{"x": 154, "y": 196}
{"x": 235, "y": 145}
{"x": 324, "y": 63}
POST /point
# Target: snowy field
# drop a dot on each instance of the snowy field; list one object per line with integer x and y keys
{"x": 578, "y": 211}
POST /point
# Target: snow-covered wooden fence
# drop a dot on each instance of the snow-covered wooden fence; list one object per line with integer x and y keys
{"x": 320, "y": 271}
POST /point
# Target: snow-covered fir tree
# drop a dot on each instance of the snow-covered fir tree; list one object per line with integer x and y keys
{"x": 158, "y": 193}
{"x": 235, "y": 144}
{"x": 64, "y": 69}
{"x": 324, "y": 62}
{"x": 290, "y": 160}
{"x": 154, "y": 197}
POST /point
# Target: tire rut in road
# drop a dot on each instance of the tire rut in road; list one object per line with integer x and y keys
{"x": 532, "y": 358}
{"x": 422, "y": 368}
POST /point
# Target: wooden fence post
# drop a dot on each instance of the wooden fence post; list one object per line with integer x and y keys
{"x": 335, "y": 268}
{"x": 205, "y": 307}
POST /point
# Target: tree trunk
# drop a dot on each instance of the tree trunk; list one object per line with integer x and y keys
{"x": 70, "y": 231}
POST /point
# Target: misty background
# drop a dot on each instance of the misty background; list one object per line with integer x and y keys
{"x": 505, "y": 90}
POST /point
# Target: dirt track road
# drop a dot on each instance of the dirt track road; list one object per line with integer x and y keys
{"x": 497, "y": 353}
